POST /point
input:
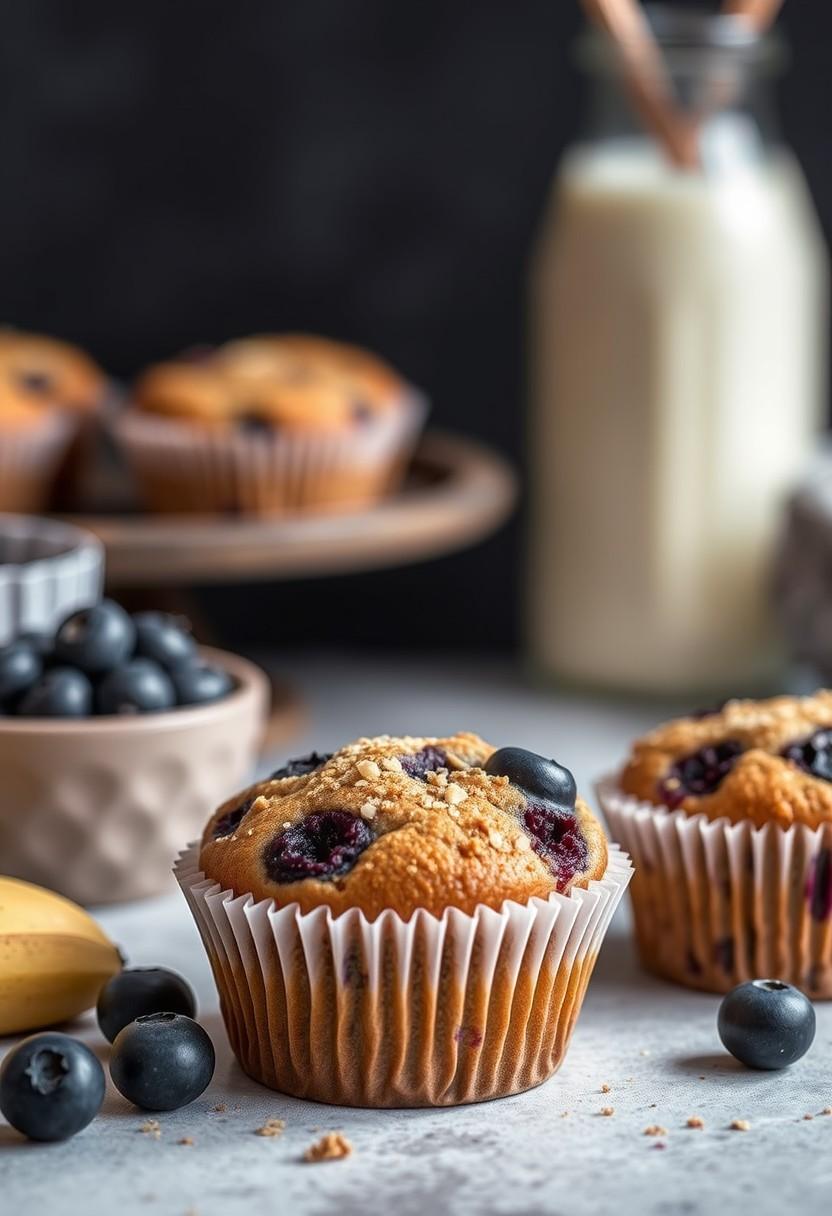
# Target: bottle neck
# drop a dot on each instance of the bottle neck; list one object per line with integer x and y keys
{"x": 719, "y": 79}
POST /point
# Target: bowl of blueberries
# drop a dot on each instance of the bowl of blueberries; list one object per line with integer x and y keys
{"x": 118, "y": 736}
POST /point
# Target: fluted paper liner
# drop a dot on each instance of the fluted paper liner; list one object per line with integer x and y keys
{"x": 393, "y": 1013}
{"x": 717, "y": 903}
{"x": 29, "y": 460}
{"x": 182, "y": 466}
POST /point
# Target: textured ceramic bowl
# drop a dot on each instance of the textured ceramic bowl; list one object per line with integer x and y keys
{"x": 97, "y": 808}
{"x": 47, "y": 570}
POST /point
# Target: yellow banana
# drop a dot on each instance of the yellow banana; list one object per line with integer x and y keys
{"x": 54, "y": 958}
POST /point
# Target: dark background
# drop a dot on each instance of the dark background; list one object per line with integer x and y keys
{"x": 182, "y": 172}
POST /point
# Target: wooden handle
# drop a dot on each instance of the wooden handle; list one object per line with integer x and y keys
{"x": 645, "y": 76}
{"x": 758, "y": 14}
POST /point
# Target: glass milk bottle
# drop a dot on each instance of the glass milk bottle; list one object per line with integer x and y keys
{"x": 678, "y": 330}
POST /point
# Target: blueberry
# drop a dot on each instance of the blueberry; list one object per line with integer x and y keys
{"x": 322, "y": 845}
{"x": 41, "y": 643}
{"x": 301, "y": 765}
{"x": 140, "y": 990}
{"x": 96, "y": 639}
{"x": 556, "y": 837}
{"x": 139, "y": 687}
{"x": 163, "y": 638}
{"x": 161, "y": 1061}
{"x": 61, "y": 692}
{"x": 250, "y": 422}
{"x": 813, "y": 755}
{"x": 199, "y": 683}
{"x": 51, "y": 1086}
{"x": 429, "y": 760}
{"x": 700, "y": 773}
{"x": 20, "y": 666}
{"x": 541, "y": 778}
{"x": 231, "y": 820}
{"x": 766, "y": 1024}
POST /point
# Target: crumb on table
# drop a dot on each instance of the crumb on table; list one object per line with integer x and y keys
{"x": 695, "y": 1121}
{"x": 655, "y": 1129}
{"x": 330, "y": 1147}
{"x": 740, "y": 1125}
{"x": 272, "y": 1127}
{"x": 151, "y": 1127}
{"x": 607, "y": 1111}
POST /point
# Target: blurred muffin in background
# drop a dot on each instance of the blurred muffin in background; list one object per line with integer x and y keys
{"x": 55, "y": 392}
{"x": 270, "y": 424}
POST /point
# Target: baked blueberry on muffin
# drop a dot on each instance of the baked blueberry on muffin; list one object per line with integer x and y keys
{"x": 427, "y": 913}
{"x": 728, "y": 815}
{"x": 273, "y": 422}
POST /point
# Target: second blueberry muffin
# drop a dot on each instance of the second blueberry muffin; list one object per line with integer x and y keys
{"x": 728, "y": 816}
{"x": 426, "y": 915}
{"x": 272, "y": 423}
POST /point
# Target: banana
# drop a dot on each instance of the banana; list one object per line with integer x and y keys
{"x": 54, "y": 958}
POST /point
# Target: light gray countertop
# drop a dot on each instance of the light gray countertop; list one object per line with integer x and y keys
{"x": 548, "y": 1151}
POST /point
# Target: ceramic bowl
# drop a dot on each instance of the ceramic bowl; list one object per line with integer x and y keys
{"x": 97, "y": 808}
{"x": 47, "y": 570}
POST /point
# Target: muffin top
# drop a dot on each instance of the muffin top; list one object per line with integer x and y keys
{"x": 289, "y": 381}
{"x": 407, "y": 823}
{"x": 44, "y": 371}
{"x": 764, "y": 761}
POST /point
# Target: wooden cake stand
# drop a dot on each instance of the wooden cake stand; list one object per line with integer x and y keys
{"x": 455, "y": 494}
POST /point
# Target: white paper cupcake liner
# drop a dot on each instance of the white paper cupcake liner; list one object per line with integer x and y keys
{"x": 393, "y": 1013}
{"x": 182, "y": 466}
{"x": 48, "y": 570}
{"x": 717, "y": 903}
{"x": 29, "y": 461}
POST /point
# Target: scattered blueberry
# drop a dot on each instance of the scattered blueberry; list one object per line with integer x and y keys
{"x": 428, "y": 760}
{"x": 301, "y": 765}
{"x": 231, "y": 820}
{"x": 139, "y": 687}
{"x": 162, "y": 1061}
{"x": 766, "y": 1024}
{"x": 61, "y": 692}
{"x": 51, "y": 1086}
{"x": 543, "y": 779}
{"x": 141, "y": 990}
{"x": 322, "y": 845}
{"x": 199, "y": 683}
{"x": 20, "y": 666}
{"x": 96, "y": 639}
{"x": 700, "y": 773}
{"x": 556, "y": 837}
{"x": 164, "y": 638}
{"x": 813, "y": 755}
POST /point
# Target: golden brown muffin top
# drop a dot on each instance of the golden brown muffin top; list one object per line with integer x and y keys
{"x": 400, "y": 823}
{"x": 289, "y": 381}
{"x": 47, "y": 372}
{"x": 764, "y": 761}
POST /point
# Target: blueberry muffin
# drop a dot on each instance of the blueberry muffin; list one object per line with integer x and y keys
{"x": 426, "y": 916}
{"x": 406, "y": 824}
{"x": 271, "y": 423}
{"x": 728, "y": 816}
